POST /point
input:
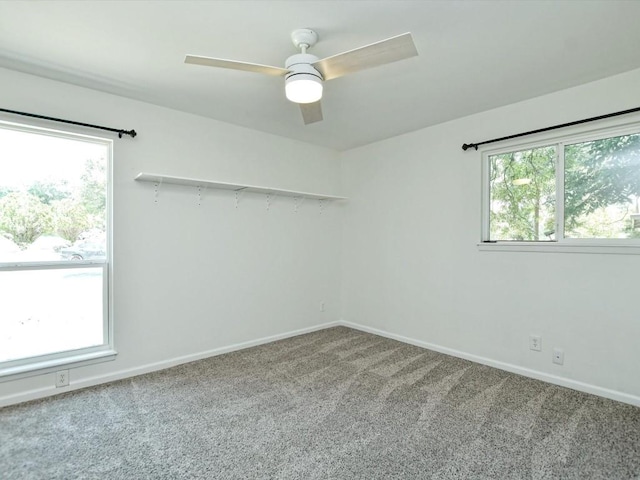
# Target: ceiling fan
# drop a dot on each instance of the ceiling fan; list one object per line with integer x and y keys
{"x": 304, "y": 73}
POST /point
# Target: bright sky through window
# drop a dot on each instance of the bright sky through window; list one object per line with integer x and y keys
{"x": 26, "y": 157}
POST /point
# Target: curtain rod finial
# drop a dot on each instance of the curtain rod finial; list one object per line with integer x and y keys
{"x": 131, "y": 133}
{"x": 467, "y": 146}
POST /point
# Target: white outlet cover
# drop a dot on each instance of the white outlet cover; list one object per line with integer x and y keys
{"x": 558, "y": 356}
{"x": 535, "y": 343}
{"x": 62, "y": 378}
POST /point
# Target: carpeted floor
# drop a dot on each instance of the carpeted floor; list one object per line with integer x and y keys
{"x": 335, "y": 404}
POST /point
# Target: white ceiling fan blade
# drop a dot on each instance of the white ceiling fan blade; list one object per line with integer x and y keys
{"x": 379, "y": 53}
{"x": 235, "y": 65}
{"x": 311, "y": 112}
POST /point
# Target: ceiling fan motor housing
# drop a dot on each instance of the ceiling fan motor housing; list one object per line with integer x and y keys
{"x": 303, "y": 83}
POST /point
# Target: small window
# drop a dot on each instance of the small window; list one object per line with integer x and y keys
{"x": 572, "y": 190}
{"x": 523, "y": 194}
{"x": 602, "y": 188}
{"x": 54, "y": 248}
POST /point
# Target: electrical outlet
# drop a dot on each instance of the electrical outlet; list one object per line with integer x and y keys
{"x": 62, "y": 378}
{"x": 558, "y": 356}
{"x": 535, "y": 343}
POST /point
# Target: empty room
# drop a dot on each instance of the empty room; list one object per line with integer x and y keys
{"x": 319, "y": 239}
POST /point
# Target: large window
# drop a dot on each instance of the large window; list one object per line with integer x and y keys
{"x": 54, "y": 249}
{"x": 575, "y": 190}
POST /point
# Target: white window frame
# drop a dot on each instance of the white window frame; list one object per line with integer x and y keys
{"x": 37, "y": 365}
{"x": 560, "y": 244}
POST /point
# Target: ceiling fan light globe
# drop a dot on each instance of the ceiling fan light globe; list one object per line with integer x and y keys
{"x": 303, "y": 88}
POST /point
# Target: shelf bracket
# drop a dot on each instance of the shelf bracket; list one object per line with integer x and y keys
{"x": 201, "y": 194}
{"x": 239, "y": 196}
{"x": 297, "y": 203}
{"x": 269, "y": 195}
{"x": 321, "y": 205}
{"x": 156, "y": 190}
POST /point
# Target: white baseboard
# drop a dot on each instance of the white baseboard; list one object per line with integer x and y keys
{"x": 152, "y": 367}
{"x": 545, "y": 377}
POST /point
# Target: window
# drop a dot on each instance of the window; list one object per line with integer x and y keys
{"x": 575, "y": 191}
{"x": 54, "y": 250}
{"x": 523, "y": 194}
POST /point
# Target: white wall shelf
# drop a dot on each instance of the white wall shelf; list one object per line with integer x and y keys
{"x": 237, "y": 187}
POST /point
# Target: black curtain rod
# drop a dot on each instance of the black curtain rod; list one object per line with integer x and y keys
{"x": 119, "y": 131}
{"x": 467, "y": 146}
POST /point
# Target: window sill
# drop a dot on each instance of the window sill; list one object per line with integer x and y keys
{"x": 553, "y": 247}
{"x": 48, "y": 366}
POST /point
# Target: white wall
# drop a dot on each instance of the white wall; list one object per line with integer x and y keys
{"x": 190, "y": 279}
{"x": 412, "y": 268}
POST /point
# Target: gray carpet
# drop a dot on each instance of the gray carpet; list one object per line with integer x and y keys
{"x": 335, "y": 404}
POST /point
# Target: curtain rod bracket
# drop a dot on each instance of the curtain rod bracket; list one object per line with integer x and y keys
{"x": 131, "y": 133}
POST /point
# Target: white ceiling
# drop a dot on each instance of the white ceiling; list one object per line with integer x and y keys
{"x": 474, "y": 55}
